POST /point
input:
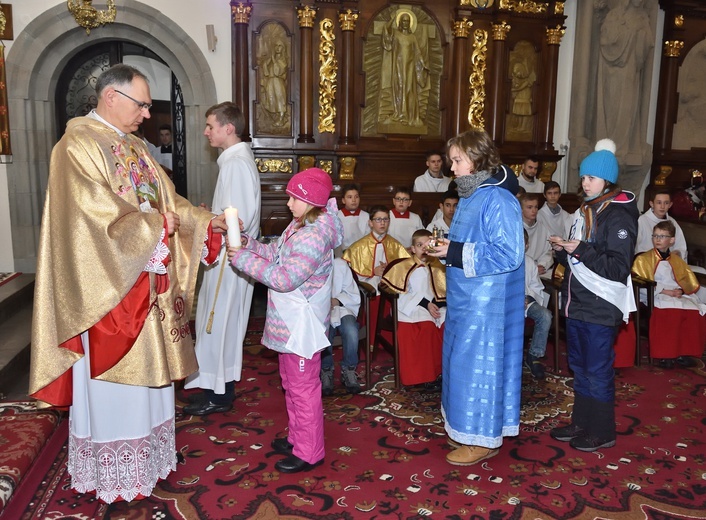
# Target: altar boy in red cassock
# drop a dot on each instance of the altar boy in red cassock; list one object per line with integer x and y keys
{"x": 677, "y": 324}
{"x": 421, "y": 282}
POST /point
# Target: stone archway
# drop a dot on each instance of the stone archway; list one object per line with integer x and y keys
{"x": 34, "y": 64}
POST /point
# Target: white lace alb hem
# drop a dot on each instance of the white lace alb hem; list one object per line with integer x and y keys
{"x": 125, "y": 468}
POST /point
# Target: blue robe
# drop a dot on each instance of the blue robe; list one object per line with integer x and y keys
{"x": 482, "y": 352}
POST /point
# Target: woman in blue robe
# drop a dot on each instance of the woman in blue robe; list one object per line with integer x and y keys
{"x": 482, "y": 352}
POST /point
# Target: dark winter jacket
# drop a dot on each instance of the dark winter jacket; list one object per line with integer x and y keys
{"x": 609, "y": 255}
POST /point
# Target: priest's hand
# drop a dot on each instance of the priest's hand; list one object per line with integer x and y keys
{"x": 172, "y": 222}
{"x": 218, "y": 223}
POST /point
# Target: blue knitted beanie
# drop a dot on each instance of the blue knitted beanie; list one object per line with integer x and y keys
{"x": 602, "y": 163}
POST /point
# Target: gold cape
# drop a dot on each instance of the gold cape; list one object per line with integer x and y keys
{"x": 645, "y": 265}
{"x": 397, "y": 275}
{"x": 361, "y": 254}
{"x": 94, "y": 244}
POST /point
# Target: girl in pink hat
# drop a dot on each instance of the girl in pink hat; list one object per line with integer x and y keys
{"x": 297, "y": 269}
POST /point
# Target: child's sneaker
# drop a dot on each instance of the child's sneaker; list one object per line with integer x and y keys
{"x": 535, "y": 366}
{"x": 350, "y": 380}
{"x": 327, "y": 381}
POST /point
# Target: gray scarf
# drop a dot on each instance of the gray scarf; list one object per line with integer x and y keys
{"x": 467, "y": 184}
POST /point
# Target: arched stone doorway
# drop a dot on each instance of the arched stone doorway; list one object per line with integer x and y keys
{"x": 34, "y": 65}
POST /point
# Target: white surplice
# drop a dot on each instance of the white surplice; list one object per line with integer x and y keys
{"x": 220, "y": 353}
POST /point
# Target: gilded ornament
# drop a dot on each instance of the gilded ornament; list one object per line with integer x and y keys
{"x": 480, "y": 4}
{"x": 88, "y": 16}
{"x": 679, "y": 21}
{"x": 326, "y": 166}
{"x": 500, "y": 30}
{"x": 664, "y": 172}
{"x": 347, "y": 19}
{"x": 305, "y": 162}
{"x": 476, "y": 105}
{"x": 3, "y": 22}
{"x": 328, "y": 69}
{"x": 517, "y": 168}
{"x": 547, "y": 168}
{"x": 241, "y": 13}
{"x": 554, "y": 35}
{"x": 559, "y": 8}
{"x": 672, "y": 48}
{"x": 523, "y": 6}
{"x": 461, "y": 28}
{"x": 306, "y": 16}
{"x": 274, "y": 165}
{"x": 346, "y": 168}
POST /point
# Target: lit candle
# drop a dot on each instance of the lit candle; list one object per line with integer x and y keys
{"x": 233, "y": 227}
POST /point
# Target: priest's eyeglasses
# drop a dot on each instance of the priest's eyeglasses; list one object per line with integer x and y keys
{"x": 661, "y": 237}
{"x": 141, "y": 104}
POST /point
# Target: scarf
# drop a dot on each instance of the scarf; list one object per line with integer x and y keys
{"x": 591, "y": 208}
{"x": 468, "y": 184}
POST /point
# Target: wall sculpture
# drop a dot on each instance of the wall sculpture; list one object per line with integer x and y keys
{"x": 403, "y": 62}
{"x": 273, "y": 112}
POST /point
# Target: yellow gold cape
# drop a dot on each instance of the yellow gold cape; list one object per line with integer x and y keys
{"x": 94, "y": 244}
{"x": 646, "y": 263}
{"x": 361, "y": 254}
{"x": 397, "y": 275}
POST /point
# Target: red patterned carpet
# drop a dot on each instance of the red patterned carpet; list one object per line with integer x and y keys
{"x": 385, "y": 458}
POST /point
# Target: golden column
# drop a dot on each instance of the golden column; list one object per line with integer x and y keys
{"x": 667, "y": 116}
{"x": 306, "y": 15}
{"x": 551, "y": 67}
{"x": 497, "y": 82}
{"x": 459, "y": 95}
{"x": 347, "y": 19}
{"x": 241, "y": 90}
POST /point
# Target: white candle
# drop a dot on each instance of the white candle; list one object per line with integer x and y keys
{"x": 233, "y": 226}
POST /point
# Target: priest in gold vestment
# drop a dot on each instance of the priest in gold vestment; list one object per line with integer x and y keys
{"x": 118, "y": 256}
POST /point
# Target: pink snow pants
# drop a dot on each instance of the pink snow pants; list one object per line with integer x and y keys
{"x": 302, "y": 395}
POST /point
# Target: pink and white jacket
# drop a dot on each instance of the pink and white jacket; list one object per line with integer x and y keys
{"x": 300, "y": 258}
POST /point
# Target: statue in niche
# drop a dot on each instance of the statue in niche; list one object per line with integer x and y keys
{"x": 691, "y": 116}
{"x": 626, "y": 43}
{"x": 273, "y": 114}
{"x": 403, "y": 81}
{"x": 523, "y": 76}
{"x": 405, "y": 70}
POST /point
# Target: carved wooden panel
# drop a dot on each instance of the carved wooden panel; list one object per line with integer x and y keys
{"x": 409, "y": 76}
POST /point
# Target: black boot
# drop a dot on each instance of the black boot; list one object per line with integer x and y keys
{"x": 580, "y": 420}
{"x": 601, "y": 428}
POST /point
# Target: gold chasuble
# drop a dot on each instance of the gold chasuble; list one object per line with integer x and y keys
{"x": 95, "y": 245}
{"x": 645, "y": 265}
{"x": 361, "y": 254}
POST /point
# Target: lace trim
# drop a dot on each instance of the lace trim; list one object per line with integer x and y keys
{"x": 160, "y": 253}
{"x": 204, "y": 250}
{"x": 125, "y": 468}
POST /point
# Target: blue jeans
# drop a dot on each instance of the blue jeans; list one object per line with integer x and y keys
{"x": 591, "y": 355}
{"x": 542, "y": 318}
{"x": 348, "y": 329}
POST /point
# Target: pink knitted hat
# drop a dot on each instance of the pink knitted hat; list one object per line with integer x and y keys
{"x": 312, "y": 186}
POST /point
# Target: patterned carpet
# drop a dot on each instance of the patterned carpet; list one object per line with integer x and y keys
{"x": 385, "y": 458}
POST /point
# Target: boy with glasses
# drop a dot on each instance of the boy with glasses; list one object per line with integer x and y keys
{"x": 677, "y": 323}
{"x": 403, "y": 223}
{"x": 369, "y": 256}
